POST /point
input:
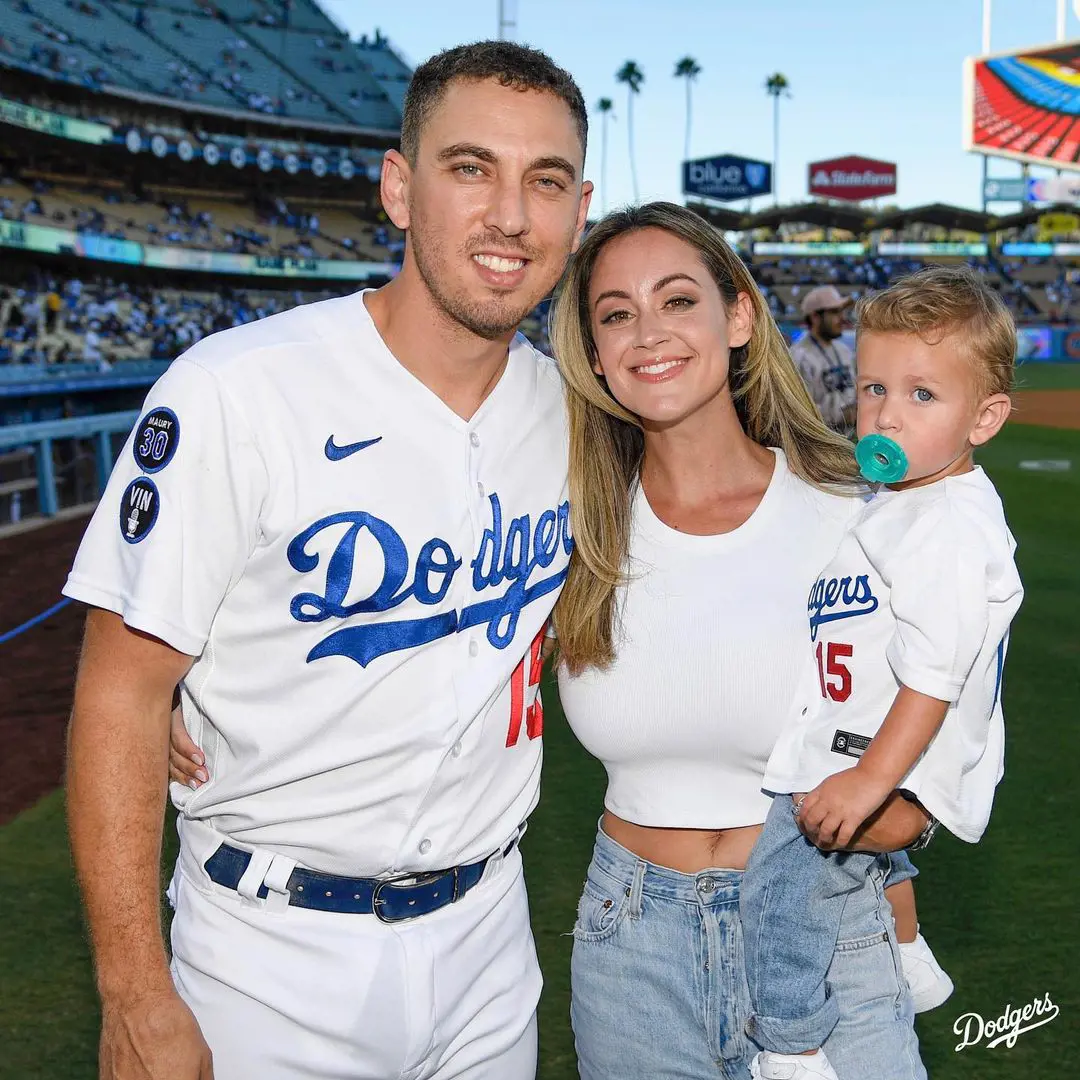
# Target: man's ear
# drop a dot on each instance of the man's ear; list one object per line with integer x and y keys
{"x": 993, "y": 412}
{"x": 394, "y": 188}
{"x": 583, "y": 214}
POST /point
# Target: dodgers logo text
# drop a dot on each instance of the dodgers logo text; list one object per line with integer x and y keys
{"x": 512, "y": 556}
{"x": 839, "y": 598}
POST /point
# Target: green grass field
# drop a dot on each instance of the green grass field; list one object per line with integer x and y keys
{"x": 1037, "y": 376}
{"x": 1001, "y": 916}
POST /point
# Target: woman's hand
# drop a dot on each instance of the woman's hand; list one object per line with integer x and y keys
{"x": 896, "y": 824}
{"x": 187, "y": 765}
{"x": 831, "y": 813}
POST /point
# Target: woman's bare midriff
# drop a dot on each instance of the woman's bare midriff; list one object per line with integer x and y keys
{"x": 687, "y": 850}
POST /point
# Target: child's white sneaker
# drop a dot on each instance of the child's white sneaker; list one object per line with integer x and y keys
{"x": 930, "y": 986}
{"x": 772, "y": 1066}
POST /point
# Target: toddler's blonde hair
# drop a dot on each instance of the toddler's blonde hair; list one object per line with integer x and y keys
{"x": 943, "y": 300}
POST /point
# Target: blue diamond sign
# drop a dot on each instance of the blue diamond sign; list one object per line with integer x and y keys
{"x": 726, "y": 177}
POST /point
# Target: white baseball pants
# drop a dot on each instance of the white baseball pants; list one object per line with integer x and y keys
{"x": 293, "y": 994}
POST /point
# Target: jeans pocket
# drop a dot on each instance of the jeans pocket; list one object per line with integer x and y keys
{"x": 854, "y": 944}
{"x": 601, "y": 909}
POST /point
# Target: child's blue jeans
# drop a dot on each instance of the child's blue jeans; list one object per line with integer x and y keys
{"x": 791, "y": 905}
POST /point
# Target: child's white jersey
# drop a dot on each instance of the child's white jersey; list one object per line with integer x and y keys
{"x": 921, "y": 593}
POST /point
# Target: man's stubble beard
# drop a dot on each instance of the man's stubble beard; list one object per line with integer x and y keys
{"x": 488, "y": 321}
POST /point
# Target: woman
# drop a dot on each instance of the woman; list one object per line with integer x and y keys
{"x": 706, "y": 495}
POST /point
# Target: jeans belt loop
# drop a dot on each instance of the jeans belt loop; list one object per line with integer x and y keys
{"x": 637, "y": 888}
{"x": 277, "y": 883}
{"x": 252, "y": 878}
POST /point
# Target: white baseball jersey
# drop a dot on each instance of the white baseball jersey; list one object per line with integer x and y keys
{"x": 363, "y": 577}
{"x": 829, "y": 374}
{"x": 920, "y": 593}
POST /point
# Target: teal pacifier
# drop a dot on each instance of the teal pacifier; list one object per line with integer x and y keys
{"x": 880, "y": 460}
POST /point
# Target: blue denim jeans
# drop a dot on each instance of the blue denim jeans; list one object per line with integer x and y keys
{"x": 793, "y": 898}
{"x": 659, "y": 986}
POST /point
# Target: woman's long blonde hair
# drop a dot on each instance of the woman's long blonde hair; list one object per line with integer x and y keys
{"x": 607, "y": 442}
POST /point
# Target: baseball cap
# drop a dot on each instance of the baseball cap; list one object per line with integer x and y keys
{"x": 823, "y": 298}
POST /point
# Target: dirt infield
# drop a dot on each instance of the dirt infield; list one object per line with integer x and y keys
{"x": 1048, "y": 408}
{"x": 37, "y": 668}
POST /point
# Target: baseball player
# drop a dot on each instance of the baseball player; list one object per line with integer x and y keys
{"x": 340, "y": 531}
{"x": 824, "y": 361}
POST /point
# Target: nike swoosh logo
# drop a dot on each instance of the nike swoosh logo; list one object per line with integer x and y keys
{"x": 338, "y": 453}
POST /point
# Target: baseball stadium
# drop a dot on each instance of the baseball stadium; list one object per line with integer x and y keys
{"x": 174, "y": 168}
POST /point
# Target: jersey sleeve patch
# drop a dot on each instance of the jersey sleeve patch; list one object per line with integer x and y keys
{"x": 157, "y": 439}
{"x": 139, "y": 506}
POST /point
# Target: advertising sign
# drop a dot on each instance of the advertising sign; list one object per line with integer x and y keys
{"x": 47, "y": 238}
{"x": 1012, "y": 189}
{"x": 809, "y": 247}
{"x": 1053, "y": 189}
{"x": 851, "y": 177}
{"x": 51, "y": 123}
{"x": 726, "y": 177}
{"x": 1025, "y": 104}
{"x": 949, "y": 247}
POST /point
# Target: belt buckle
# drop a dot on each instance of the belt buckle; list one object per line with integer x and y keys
{"x": 414, "y": 880}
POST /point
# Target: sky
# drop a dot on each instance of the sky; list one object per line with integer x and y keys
{"x": 881, "y": 78}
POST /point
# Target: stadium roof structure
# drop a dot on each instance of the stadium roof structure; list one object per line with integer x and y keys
{"x": 1029, "y": 216}
{"x": 941, "y": 214}
{"x": 825, "y": 215}
{"x": 718, "y": 216}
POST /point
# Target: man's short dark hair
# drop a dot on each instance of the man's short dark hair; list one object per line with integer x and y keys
{"x": 509, "y": 64}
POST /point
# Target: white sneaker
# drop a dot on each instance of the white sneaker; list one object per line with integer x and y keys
{"x": 772, "y": 1066}
{"x": 930, "y": 986}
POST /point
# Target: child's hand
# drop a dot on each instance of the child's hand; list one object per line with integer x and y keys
{"x": 829, "y": 815}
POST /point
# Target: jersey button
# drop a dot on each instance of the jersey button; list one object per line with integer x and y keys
{"x": 480, "y": 488}
{"x": 455, "y": 750}
{"x": 474, "y": 438}
{"x": 473, "y": 648}
{"x": 424, "y": 846}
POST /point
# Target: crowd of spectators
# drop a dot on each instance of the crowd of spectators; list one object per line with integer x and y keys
{"x": 99, "y": 321}
{"x": 108, "y": 213}
{"x": 784, "y": 281}
{"x": 85, "y": 51}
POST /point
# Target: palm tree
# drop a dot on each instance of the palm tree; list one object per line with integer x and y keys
{"x": 604, "y": 107}
{"x": 689, "y": 69}
{"x": 633, "y": 76}
{"x": 776, "y": 86}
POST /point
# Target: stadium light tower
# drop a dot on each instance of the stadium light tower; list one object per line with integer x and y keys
{"x": 1061, "y": 11}
{"x": 987, "y": 4}
{"x": 507, "y": 20}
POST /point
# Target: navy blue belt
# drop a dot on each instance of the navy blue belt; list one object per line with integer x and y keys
{"x": 395, "y": 899}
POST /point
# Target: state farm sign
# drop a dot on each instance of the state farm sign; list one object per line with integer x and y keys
{"x": 852, "y": 177}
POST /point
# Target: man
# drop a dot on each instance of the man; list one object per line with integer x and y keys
{"x": 824, "y": 361}
{"x": 340, "y": 531}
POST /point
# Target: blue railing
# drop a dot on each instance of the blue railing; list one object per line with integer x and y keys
{"x": 40, "y": 438}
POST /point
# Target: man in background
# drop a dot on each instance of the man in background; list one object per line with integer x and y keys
{"x": 824, "y": 361}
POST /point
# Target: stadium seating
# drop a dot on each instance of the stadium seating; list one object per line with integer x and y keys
{"x": 210, "y": 220}
{"x": 242, "y": 55}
